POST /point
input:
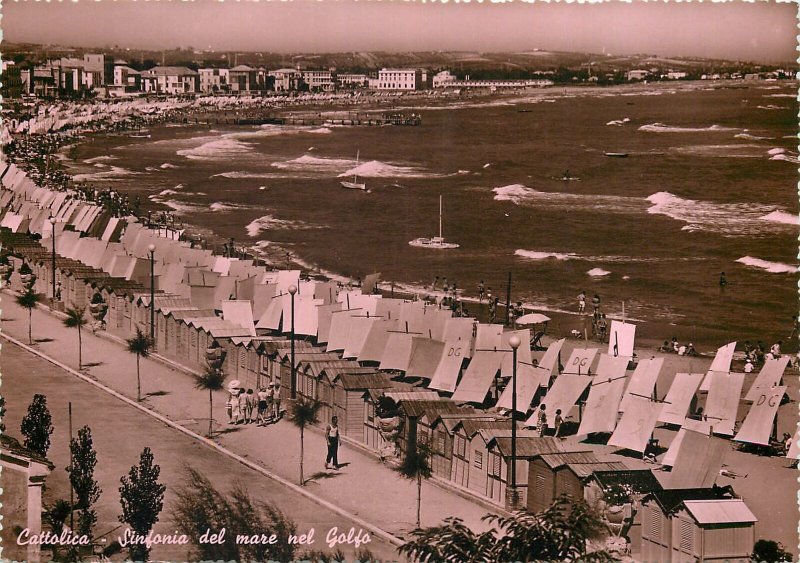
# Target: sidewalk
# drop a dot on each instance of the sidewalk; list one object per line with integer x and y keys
{"x": 363, "y": 486}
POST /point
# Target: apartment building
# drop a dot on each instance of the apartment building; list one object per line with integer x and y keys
{"x": 170, "y": 80}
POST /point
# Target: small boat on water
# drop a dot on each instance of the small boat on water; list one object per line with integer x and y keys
{"x": 437, "y": 243}
{"x": 617, "y": 154}
{"x": 354, "y": 185}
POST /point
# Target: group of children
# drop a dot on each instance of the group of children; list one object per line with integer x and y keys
{"x": 262, "y": 408}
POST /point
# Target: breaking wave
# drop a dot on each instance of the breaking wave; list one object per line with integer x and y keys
{"x": 619, "y": 122}
{"x": 227, "y": 206}
{"x": 535, "y": 255}
{"x": 308, "y": 163}
{"x": 766, "y": 265}
{"x": 378, "y": 169}
{"x": 662, "y": 128}
{"x": 750, "y": 137}
{"x": 219, "y": 149}
{"x": 781, "y": 217}
{"x": 267, "y": 222}
{"x": 519, "y": 194}
{"x": 102, "y": 158}
{"x": 597, "y": 272}
{"x": 110, "y": 175}
{"x": 167, "y": 165}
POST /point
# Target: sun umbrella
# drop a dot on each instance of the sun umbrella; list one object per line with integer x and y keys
{"x": 235, "y": 384}
{"x": 532, "y": 318}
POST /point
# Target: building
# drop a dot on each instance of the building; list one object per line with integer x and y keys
{"x": 170, "y": 80}
{"x": 127, "y": 79}
{"x": 12, "y": 85}
{"x": 347, "y": 80}
{"x": 442, "y": 78}
{"x": 213, "y": 80}
{"x": 320, "y": 80}
{"x": 638, "y": 74}
{"x": 401, "y": 79}
{"x": 243, "y": 78}
{"x": 24, "y": 474}
{"x": 286, "y": 79}
{"x": 688, "y": 525}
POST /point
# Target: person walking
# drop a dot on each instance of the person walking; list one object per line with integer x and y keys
{"x": 482, "y": 292}
{"x": 333, "y": 439}
{"x": 276, "y": 401}
{"x": 262, "y": 406}
{"x": 596, "y": 303}
{"x": 581, "y": 302}
{"x": 559, "y": 420}
{"x": 229, "y": 408}
{"x": 603, "y": 328}
{"x": 250, "y": 414}
{"x": 236, "y": 406}
{"x": 541, "y": 422}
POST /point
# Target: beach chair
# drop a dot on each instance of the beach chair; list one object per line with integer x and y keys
{"x": 536, "y": 342}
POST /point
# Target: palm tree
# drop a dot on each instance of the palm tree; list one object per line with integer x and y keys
{"x": 139, "y": 344}
{"x": 28, "y": 300}
{"x": 304, "y": 413}
{"x": 76, "y": 319}
{"x": 211, "y": 379}
{"x": 416, "y": 466}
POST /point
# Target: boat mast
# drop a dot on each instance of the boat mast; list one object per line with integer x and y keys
{"x": 440, "y": 216}
{"x": 355, "y": 175}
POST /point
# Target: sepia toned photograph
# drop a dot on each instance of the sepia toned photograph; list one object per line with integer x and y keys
{"x": 341, "y": 281}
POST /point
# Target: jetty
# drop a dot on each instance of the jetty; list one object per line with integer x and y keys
{"x": 353, "y": 120}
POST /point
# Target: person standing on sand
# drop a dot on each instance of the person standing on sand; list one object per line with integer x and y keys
{"x": 236, "y": 407}
{"x": 723, "y": 281}
{"x": 261, "y": 419}
{"x": 596, "y": 303}
{"x": 435, "y": 283}
{"x": 251, "y": 407}
{"x": 276, "y": 402}
{"x": 581, "y": 302}
{"x": 541, "y": 421}
{"x": 559, "y": 420}
{"x": 333, "y": 439}
{"x": 482, "y": 293}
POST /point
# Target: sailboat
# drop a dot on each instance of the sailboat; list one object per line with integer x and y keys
{"x": 354, "y": 185}
{"x": 434, "y": 242}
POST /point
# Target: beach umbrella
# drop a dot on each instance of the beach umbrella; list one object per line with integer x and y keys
{"x": 235, "y": 384}
{"x": 532, "y": 319}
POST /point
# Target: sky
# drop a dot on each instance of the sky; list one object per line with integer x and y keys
{"x": 764, "y": 30}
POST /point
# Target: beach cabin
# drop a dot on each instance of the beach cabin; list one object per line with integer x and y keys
{"x": 696, "y": 525}
{"x": 618, "y": 495}
{"x": 442, "y": 431}
{"x": 412, "y": 411}
{"x": 553, "y": 475}
{"x": 529, "y": 445}
{"x": 470, "y": 452}
{"x": 371, "y": 397}
{"x": 343, "y": 388}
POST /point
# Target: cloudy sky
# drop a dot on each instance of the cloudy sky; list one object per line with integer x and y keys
{"x": 760, "y": 30}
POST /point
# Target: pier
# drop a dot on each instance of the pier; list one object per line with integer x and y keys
{"x": 399, "y": 119}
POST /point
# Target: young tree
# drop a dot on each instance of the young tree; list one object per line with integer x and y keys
{"x": 141, "y": 345}
{"x": 2, "y": 415}
{"x": 28, "y": 300}
{"x": 142, "y": 499}
{"x": 37, "y": 426}
{"x": 199, "y": 507}
{"x": 83, "y": 460}
{"x": 76, "y": 319}
{"x": 558, "y": 533}
{"x": 213, "y": 380}
{"x": 303, "y": 414}
{"x": 416, "y": 465}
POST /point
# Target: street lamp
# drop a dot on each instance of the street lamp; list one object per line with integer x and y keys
{"x": 292, "y": 291}
{"x": 152, "y": 249}
{"x": 53, "y": 225}
{"x": 513, "y": 497}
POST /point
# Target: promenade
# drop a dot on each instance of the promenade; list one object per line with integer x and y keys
{"x": 363, "y": 486}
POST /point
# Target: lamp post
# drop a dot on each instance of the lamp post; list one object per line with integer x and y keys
{"x": 513, "y": 497}
{"x": 152, "y": 249}
{"x": 292, "y": 292}
{"x": 53, "y": 225}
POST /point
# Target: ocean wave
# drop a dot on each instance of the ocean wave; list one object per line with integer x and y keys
{"x": 102, "y": 158}
{"x": 308, "y": 163}
{"x": 771, "y": 106}
{"x": 113, "y": 174}
{"x": 728, "y": 219}
{"x": 177, "y": 206}
{"x": 619, "y": 122}
{"x": 781, "y": 217}
{"x": 771, "y": 267}
{"x": 167, "y": 165}
{"x": 786, "y": 157}
{"x": 662, "y": 128}
{"x": 167, "y": 192}
{"x": 537, "y": 255}
{"x": 750, "y": 137}
{"x": 519, "y": 194}
{"x": 227, "y": 206}
{"x": 597, "y": 272}
{"x": 780, "y": 96}
{"x": 736, "y": 150}
{"x": 378, "y": 169}
{"x": 267, "y": 222}
{"x": 219, "y": 149}
{"x": 243, "y": 175}
{"x": 278, "y": 130}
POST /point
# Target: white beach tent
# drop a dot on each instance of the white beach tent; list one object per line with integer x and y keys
{"x": 643, "y": 380}
{"x": 460, "y": 328}
{"x": 271, "y": 318}
{"x": 358, "y": 330}
{"x": 397, "y": 353}
{"x": 445, "y": 377}
{"x": 757, "y": 425}
{"x": 549, "y": 361}
{"x": 325, "y": 318}
{"x": 239, "y": 313}
{"x": 563, "y": 395}
{"x": 698, "y": 461}
{"x": 702, "y": 426}
{"x": 489, "y": 337}
{"x": 621, "y": 337}
{"x": 602, "y": 405}
{"x": 636, "y": 426}
{"x": 425, "y": 356}
{"x": 580, "y": 361}
{"x": 794, "y": 448}
{"x": 722, "y": 402}
{"x": 721, "y": 363}
{"x": 523, "y": 352}
{"x": 478, "y": 377}
{"x": 287, "y": 278}
{"x": 529, "y": 379}
{"x": 679, "y": 398}
{"x": 388, "y": 308}
{"x": 769, "y": 377}
{"x": 340, "y": 327}
{"x": 378, "y": 337}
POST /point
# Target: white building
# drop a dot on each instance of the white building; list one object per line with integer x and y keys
{"x": 637, "y": 74}
{"x": 319, "y": 80}
{"x": 170, "y": 80}
{"x": 440, "y": 79}
{"x": 286, "y": 79}
{"x": 213, "y": 80}
{"x": 401, "y": 79}
{"x": 352, "y": 80}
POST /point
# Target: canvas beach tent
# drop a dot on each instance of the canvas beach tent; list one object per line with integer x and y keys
{"x": 340, "y": 326}
{"x": 679, "y": 398}
{"x": 698, "y": 462}
{"x": 529, "y": 379}
{"x": 489, "y": 337}
{"x": 636, "y": 426}
{"x": 722, "y": 363}
{"x": 397, "y": 353}
{"x": 445, "y": 377}
{"x": 523, "y": 352}
{"x": 580, "y": 361}
{"x": 563, "y": 395}
{"x": 620, "y": 339}
{"x": 325, "y": 319}
{"x": 605, "y": 394}
{"x": 643, "y": 380}
{"x": 722, "y": 402}
{"x": 794, "y": 448}
{"x": 769, "y": 377}
{"x": 701, "y": 426}
{"x": 478, "y": 377}
{"x": 377, "y": 339}
{"x": 758, "y": 424}
{"x": 358, "y": 329}
{"x": 460, "y": 328}
{"x": 549, "y": 361}
{"x": 425, "y": 356}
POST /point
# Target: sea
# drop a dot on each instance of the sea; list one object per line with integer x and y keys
{"x": 709, "y": 185}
